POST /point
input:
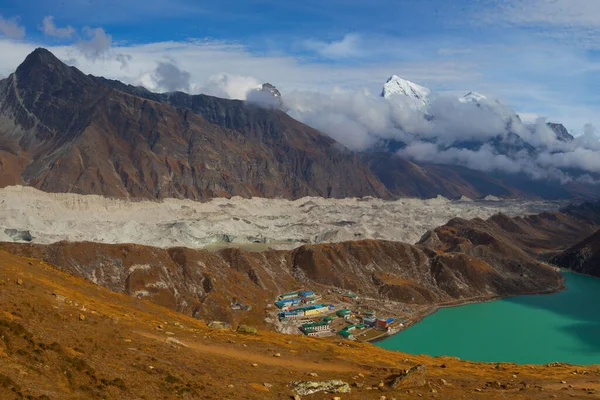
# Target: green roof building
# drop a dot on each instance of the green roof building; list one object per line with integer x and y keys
{"x": 342, "y": 313}
{"x": 315, "y": 327}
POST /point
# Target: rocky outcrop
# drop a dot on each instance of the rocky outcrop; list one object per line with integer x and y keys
{"x": 64, "y": 131}
{"x": 305, "y": 388}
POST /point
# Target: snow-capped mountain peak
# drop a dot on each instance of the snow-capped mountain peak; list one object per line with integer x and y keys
{"x": 398, "y": 86}
{"x": 473, "y": 97}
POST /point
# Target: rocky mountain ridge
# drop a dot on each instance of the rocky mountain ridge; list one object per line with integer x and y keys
{"x": 64, "y": 131}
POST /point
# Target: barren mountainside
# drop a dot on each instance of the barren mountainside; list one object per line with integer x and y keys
{"x": 63, "y": 131}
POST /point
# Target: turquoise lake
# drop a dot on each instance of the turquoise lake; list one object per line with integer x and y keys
{"x": 562, "y": 327}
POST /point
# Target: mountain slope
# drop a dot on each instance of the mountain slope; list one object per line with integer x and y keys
{"x": 63, "y": 131}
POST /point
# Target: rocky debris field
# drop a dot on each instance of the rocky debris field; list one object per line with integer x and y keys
{"x": 27, "y": 214}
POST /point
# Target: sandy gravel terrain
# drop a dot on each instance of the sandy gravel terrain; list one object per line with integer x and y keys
{"x": 252, "y": 223}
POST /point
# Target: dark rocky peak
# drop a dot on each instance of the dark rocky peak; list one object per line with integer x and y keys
{"x": 272, "y": 90}
{"x": 49, "y": 98}
{"x": 562, "y": 133}
{"x": 42, "y": 71}
{"x": 40, "y": 58}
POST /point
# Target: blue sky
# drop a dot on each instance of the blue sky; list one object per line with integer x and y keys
{"x": 541, "y": 57}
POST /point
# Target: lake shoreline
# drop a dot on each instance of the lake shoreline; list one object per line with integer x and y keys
{"x": 533, "y": 328}
{"x": 463, "y": 302}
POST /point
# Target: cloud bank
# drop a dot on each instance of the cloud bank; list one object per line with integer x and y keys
{"x": 50, "y": 29}
{"x": 485, "y": 136}
{"x": 11, "y": 28}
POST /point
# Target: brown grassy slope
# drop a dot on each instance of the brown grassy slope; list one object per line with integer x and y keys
{"x": 66, "y": 338}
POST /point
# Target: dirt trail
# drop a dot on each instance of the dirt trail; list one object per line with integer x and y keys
{"x": 288, "y": 361}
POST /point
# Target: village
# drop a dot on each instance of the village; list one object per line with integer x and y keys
{"x": 305, "y": 312}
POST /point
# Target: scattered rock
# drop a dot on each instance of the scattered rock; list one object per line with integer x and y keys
{"x": 410, "y": 376}
{"x": 169, "y": 333}
{"x": 247, "y": 329}
{"x": 255, "y": 365}
{"x": 19, "y": 281}
{"x": 358, "y": 384}
{"x": 313, "y": 374}
{"x": 277, "y": 355}
{"x": 267, "y": 385}
{"x": 444, "y": 382}
{"x": 443, "y": 365}
{"x": 172, "y": 340}
{"x": 230, "y": 386}
{"x": 81, "y": 317}
{"x": 219, "y": 325}
{"x": 563, "y": 382}
{"x": 19, "y": 236}
{"x": 305, "y": 388}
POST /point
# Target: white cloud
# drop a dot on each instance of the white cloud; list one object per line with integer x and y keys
{"x": 11, "y": 28}
{"x": 50, "y": 29}
{"x": 348, "y": 47}
{"x": 169, "y": 77}
{"x": 583, "y": 13}
{"x": 97, "y": 44}
{"x": 230, "y": 86}
{"x": 575, "y": 22}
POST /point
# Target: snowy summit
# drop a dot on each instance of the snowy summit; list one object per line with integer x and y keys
{"x": 473, "y": 97}
{"x": 396, "y": 85}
